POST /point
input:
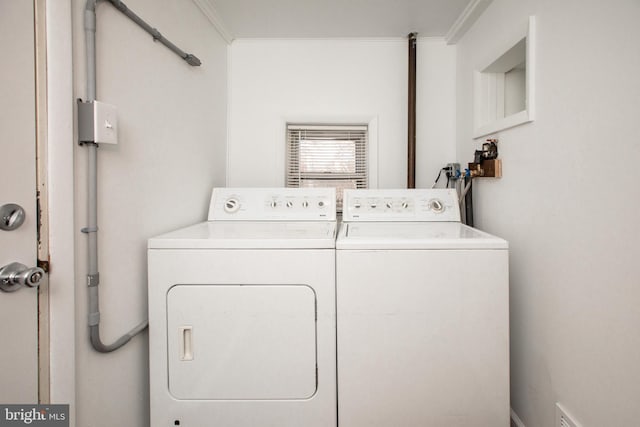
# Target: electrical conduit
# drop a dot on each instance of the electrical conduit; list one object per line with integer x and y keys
{"x": 91, "y": 230}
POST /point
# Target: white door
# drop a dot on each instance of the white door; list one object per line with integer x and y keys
{"x": 18, "y": 309}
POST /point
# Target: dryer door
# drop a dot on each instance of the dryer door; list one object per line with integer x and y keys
{"x": 241, "y": 342}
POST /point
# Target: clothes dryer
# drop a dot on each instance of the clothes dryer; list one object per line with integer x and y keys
{"x": 242, "y": 313}
{"x": 422, "y": 314}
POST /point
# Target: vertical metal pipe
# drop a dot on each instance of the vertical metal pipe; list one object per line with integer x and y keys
{"x": 411, "y": 131}
{"x": 90, "y": 48}
{"x": 91, "y": 230}
{"x": 468, "y": 202}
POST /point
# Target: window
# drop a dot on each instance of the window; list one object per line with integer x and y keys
{"x": 327, "y": 156}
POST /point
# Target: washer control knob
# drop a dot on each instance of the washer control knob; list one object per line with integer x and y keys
{"x": 321, "y": 204}
{"x": 436, "y": 205}
{"x": 405, "y": 205}
{"x": 231, "y": 205}
{"x": 273, "y": 204}
{"x": 289, "y": 204}
{"x": 389, "y": 205}
{"x": 305, "y": 204}
{"x": 357, "y": 205}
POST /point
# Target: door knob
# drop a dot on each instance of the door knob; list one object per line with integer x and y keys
{"x": 11, "y": 216}
{"x": 14, "y": 275}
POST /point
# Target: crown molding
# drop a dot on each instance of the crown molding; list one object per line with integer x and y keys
{"x": 207, "y": 8}
{"x": 466, "y": 19}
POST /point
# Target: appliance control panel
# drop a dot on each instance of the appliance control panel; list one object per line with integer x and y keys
{"x": 437, "y": 205}
{"x": 273, "y": 204}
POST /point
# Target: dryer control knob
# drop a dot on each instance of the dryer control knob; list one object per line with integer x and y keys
{"x": 289, "y": 204}
{"x": 231, "y": 205}
{"x": 305, "y": 204}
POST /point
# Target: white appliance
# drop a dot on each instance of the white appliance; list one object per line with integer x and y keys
{"x": 422, "y": 314}
{"x": 242, "y": 313}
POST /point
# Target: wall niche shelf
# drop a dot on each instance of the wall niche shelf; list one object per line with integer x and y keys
{"x": 504, "y": 89}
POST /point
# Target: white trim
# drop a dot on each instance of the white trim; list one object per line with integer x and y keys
{"x": 466, "y": 19}
{"x": 531, "y": 68}
{"x": 515, "y": 420}
{"x": 316, "y": 126}
{"x": 373, "y": 152}
{"x": 502, "y": 124}
{"x": 60, "y": 141}
{"x": 206, "y": 6}
{"x": 44, "y": 365}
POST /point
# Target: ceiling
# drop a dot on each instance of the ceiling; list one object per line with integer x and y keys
{"x": 337, "y": 18}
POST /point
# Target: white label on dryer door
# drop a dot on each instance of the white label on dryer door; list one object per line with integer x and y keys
{"x": 241, "y": 342}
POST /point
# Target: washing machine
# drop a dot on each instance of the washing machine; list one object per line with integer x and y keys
{"x": 242, "y": 313}
{"x": 422, "y": 314}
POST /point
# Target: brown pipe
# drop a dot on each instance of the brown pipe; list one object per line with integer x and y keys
{"x": 411, "y": 152}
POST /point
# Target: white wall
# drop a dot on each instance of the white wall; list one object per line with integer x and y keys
{"x": 273, "y": 82}
{"x": 568, "y": 205}
{"x": 171, "y": 152}
{"x": 435, "y": 109}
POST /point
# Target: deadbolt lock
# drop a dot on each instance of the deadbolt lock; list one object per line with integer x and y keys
{"x": 11, "y": 216}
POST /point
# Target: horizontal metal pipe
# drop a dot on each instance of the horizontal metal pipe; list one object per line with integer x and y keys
{"x": 191, "y": 59}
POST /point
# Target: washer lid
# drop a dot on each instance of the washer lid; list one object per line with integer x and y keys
{"x": 249, "y": 235}
{"x": 415, "y": 235}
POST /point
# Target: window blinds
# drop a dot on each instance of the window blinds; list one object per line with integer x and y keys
{"x": 327, "y": 156}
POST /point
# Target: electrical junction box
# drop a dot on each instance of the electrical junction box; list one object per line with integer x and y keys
{"x": 97, "y": 122}
{"x": 563, "y": 419}
{"x": 454, "y": 170}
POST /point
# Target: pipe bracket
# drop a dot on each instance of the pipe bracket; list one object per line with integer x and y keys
{"x": 93, "y": 280}
{"x": 155, "y": 34}
{"x": 94, "y": 318}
